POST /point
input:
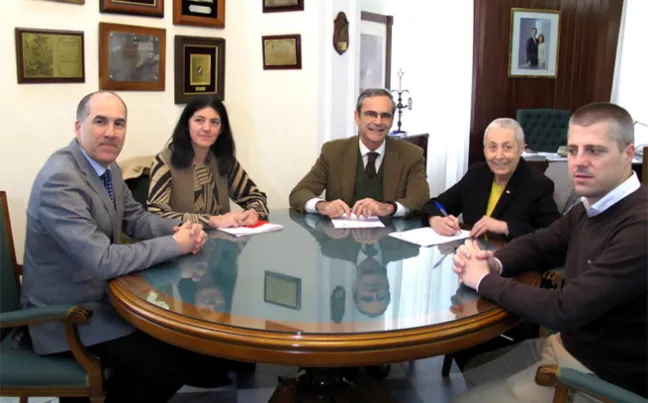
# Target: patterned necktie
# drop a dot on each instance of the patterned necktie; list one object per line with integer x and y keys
{"x": 107, "y": 180}
{"x": 370, "y": 169}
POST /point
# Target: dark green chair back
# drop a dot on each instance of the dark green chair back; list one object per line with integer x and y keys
{"x": 9, "y": 288}
{"x": 544, "y": 129}
{"x": 139, "y": 187}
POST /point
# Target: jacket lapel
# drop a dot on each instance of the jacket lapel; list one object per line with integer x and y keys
{"x": 393, "y": 167}
{"x": 481, "y": 193}
{"x": 95, "y": 182}
{"x": 520, "y": 175}
{"x": 349, "y": 159}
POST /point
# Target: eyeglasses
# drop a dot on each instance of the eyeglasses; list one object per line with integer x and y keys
{"x": 374, "y": 115}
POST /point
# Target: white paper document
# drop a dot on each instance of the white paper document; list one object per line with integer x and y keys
{"x": 427, "y": 236}
{"x": 259, "y": 229}
{"x": 357, "y": 222}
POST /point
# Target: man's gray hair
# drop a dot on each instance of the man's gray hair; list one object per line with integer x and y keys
{"x": 507, "y": 123}
{"x": 374, "y": 92}
{"x": 83, "y": 108}
{"x": 621, "y": 124}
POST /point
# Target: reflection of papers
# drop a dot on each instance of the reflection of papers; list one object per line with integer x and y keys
{"x": 242, "y": 231}
{"x": 357, "y": 222}
{"x": 427, "y": 236}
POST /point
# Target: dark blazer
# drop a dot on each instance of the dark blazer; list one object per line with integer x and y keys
{"x": 404, "y": 178}
{"x": 526, "y": 204}
{"x": 532, "y": 51}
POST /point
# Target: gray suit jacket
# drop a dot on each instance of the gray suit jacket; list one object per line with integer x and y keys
{"x": 71, "y": 250}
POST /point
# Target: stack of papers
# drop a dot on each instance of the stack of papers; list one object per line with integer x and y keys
{"x": 260, "y": 227}
{"x": 354, "y": 221}
{"x": 427, "y": 236}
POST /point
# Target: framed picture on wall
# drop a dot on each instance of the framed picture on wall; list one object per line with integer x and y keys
{"x": 534, "y": 42}
{"x": 275, "y": 6}
{"x": 131, "y": 58}
{"x": 281, "y": 52}
{"x": 146, "y": 8}
{"x": 48, "y": 56}
{"x": 199, "y": 67}
{"x": 202, "y": 13}
{"x": 70, "y": 1}
{"x": 375, "y": 50}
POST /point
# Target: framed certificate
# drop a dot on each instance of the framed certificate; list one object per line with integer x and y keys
{"x": 48, "y": 56}
{"x": 199, "y": 67}
{"x": 280, "y": 289}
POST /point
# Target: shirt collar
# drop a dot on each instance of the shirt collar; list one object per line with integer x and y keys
{"x": 100, "y": 170}
{"x": 362, "y": 255}
{"x": 364, "y": 150}
{"x": 616, "y": 195}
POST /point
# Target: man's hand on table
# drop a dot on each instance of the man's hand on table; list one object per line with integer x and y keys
{"x": 472, "y": 264}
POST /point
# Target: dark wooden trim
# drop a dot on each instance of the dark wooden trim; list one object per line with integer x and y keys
{"x": 227, "y": 335}
{"x": 279, "y": 9}
{"x": 4, "y": 206}
{"x": 388, "y": 20}
{"x": 121, "y": 7}
{"x": 181, "y": 19}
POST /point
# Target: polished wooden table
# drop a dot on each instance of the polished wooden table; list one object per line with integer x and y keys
{"x": 316, "y": 297}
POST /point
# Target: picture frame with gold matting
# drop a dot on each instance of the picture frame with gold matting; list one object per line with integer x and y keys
{"x": 143, "y": 8}
{"x": 282, "y": 290}
{"x": 202, "y": 13}
{"x": 281, "y": 52}
{"x": 199, "y": 67}
{"x": 49, "y": 56}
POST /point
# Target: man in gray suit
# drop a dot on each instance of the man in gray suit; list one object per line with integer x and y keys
{"x": 78, "y": 207}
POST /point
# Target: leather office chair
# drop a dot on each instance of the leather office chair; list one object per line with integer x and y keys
{"x": 544, "y": 129}
{"x": 22, "y": 372}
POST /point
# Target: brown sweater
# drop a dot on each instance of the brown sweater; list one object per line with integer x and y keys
{"x": 601, "y": 311}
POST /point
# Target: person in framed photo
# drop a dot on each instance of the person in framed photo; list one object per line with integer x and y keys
{"x": 542, "y": 52}
{"x": 532, "y": 48}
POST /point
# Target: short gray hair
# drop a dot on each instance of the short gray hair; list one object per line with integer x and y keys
{"x": 83, "y": 108}
{"x": 507, "y": 123}
{"x": 621, "y": 124}
{"x": 374, "y": 92}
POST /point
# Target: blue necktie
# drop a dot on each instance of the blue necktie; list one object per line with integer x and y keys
{"x": 107, "y": 180}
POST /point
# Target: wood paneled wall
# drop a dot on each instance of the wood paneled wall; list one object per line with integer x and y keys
{"x": 589, "y": 30}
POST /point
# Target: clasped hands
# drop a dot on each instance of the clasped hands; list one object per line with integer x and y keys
{"x": 234, "y": 219}
{"x": 366, "y": 207}
{"x": 472, "y": 263}
{"x": 449, "y": 226}
{"x": 190, "y": 237}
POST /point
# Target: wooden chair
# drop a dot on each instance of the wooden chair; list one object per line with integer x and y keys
{"x": 22, "y": 372}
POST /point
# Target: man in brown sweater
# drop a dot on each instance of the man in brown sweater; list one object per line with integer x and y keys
{"x": 601, "y": 310}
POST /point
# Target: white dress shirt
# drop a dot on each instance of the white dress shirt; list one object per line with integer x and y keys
{"x": 364, "y": 151}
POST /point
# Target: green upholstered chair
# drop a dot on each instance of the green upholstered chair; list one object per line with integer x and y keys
{"x": 22, "y": 372}
{"x": 564, "y": 379}
{"x": 544, "y": 129}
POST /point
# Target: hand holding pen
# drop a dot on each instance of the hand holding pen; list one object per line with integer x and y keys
{"x": 448, "y": 225}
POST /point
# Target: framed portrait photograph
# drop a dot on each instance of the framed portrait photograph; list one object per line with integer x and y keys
{"x": 282, "y": 290}
{"x": 278, "y": 6}
{"x": 202, "y": 13}
{"x": 375, "y": 50}
{"x": 199, "y": 67}
{"x": 146, "y": 8}
{"x": 281, "y": 52}
{"x": 535, "y": 37}
{"x": 131, "y": 58}
{"x": 48, "y": 56}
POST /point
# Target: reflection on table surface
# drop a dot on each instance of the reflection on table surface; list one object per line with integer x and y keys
{"x": 312, "y": 278}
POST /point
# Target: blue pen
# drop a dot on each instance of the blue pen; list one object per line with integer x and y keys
{"x": 444, "y": 212}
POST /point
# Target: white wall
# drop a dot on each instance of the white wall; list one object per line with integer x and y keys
{"x": 630, "y": 86}
{"x": 274, "y": 113}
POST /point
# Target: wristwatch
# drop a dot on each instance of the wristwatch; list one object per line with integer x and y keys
{"x": 394, "y": 205}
